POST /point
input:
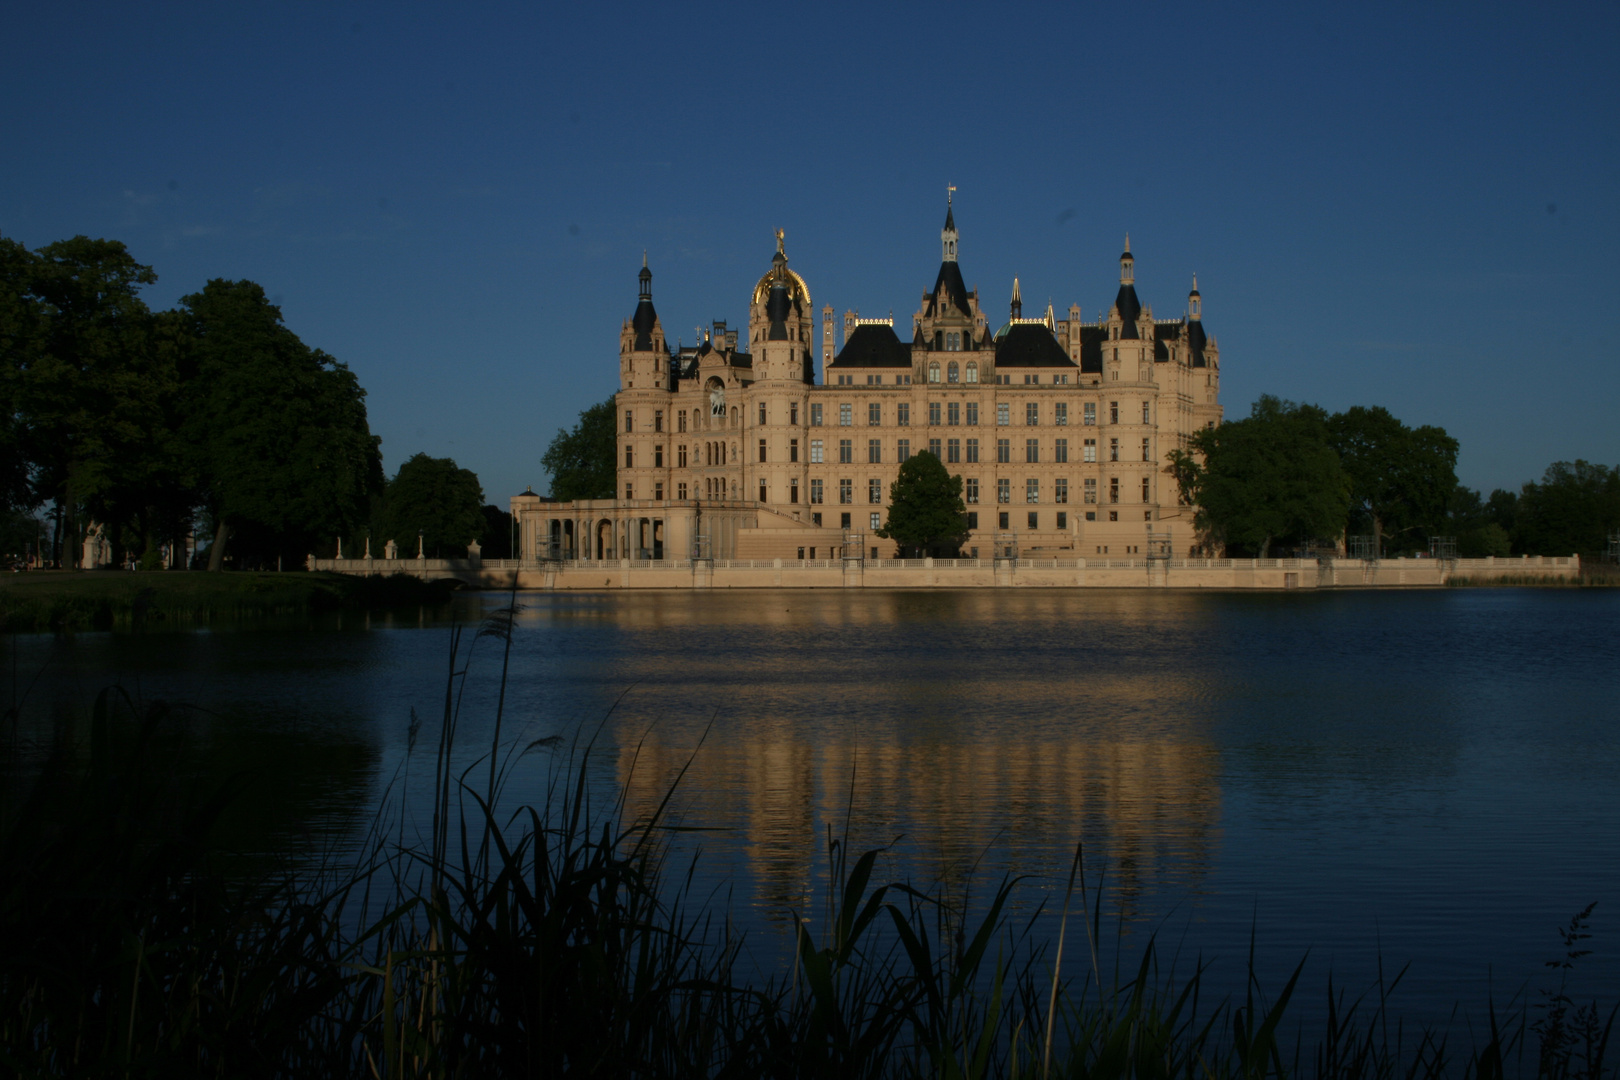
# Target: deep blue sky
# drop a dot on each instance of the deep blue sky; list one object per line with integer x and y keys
{"x": 1412, "y": 206}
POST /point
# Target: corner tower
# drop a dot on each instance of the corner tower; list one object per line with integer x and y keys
{"x": 643, "y": 354}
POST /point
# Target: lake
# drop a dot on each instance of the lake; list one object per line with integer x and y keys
{"x": 1429, "y": 777}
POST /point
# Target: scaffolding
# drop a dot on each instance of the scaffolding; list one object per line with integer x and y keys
{"x": 1443, "y": 547}
{"x": 1363, "y": 547}
{"x": 1613, "y": 552}
{"x": 854, "y": 546}
{"x": 1159, "y": 546}
{"x": 1006, "y": 547}
{"x": 702, "y": 549}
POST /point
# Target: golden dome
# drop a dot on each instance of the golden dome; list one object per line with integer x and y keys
{"x": 798, "y": 291}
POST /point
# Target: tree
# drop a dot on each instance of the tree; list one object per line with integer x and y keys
{"x": 1401, "y": 478}
{"x": 497, "y": 541}
{"x": 435, "y": 498}
{"x": 1271, "y": 477}
{"x": 275, "y": 430}
{"x": 926, "y": 513}
{"x": 19, "y": 343}
{"x": 1572, "y": 510}
{"x": 581, "y": 462}
{"x": 1471, "y": 520}
{"x": 90, "y": 390}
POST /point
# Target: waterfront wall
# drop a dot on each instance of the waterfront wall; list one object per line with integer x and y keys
{"x": 963, "y": 573}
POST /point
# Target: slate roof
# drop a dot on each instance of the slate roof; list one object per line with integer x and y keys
{"x": 1163, "y": 332}
{"x": 873, "y": 346}
{"x": 778, "y": 307}
{"x": 1091, "y": 339}
{"x": 642, "y": 324}
{"x": 1026, "y": 345}
{"x": 1196, "y": 342}
{"x": 950, "y": 276}
{"x": 1130, "y": 309}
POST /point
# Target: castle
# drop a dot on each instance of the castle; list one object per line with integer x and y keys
{"x": 733, "y": 449}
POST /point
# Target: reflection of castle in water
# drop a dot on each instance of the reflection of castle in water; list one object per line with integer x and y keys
{"x": 1146, "y": 805}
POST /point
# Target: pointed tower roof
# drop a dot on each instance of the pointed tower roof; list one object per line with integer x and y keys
{"x": 1017, "y": 306}
{"x": 1130, "y": 308}
{"x": 645, "y": 318}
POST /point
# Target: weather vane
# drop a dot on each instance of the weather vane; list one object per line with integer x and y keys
{"x": 950, "y": 189}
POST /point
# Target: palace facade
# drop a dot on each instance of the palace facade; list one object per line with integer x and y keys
{"x": 733, "y": 448}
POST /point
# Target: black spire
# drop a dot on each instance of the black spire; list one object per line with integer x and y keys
{"x": 645, "y": 317}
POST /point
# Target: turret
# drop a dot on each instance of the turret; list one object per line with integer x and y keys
{"x": 1017, "y": 306}
{"x": 947, "y": 235}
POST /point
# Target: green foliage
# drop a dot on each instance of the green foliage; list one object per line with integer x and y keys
{"x": 1571, "y": 511}
{"x": 926, "y": 512}
{"x": 1481, "y": 527}
{"x": 1268, "y": 478}
{"x": 1400, "y": 478}
{"x": 275, "y": 431}
{"x": 497, "y": 541}
{"x": 433, "y": 497}
{"x": 581, "y": 462}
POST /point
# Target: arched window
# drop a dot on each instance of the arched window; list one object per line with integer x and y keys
{"x": 933, "y": 371}
{"x": 951, "y": 372}
{"x": 972, "y": 372}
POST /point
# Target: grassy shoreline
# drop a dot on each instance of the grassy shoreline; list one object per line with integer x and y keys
{"x": 40, "y": 602}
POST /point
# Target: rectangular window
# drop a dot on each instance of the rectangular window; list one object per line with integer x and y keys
{"x": 762, "y": 450}
{"x": 1063, "y": 519}
{"x": 874, "y": 380}
{"x": 815, "y": 493}
{"x": 953, "y": 413}
{"x": 1060, "y": 490}
{"x": 1032, "y": 450}
{"x": 973, "y": 521}
{"x": 815, "y": 415}
{"x": 793, "y": 449}
{"x": 1091, "y": 495}
{"x": 846, "y": 415}
{"x": 1113, "y": 489}
{"x": 902, "y": 414}
{"x": 874, "y": 451}
{"x": 933, "y": 412}
{"x": 933, "y": 448}
{"x": 1060, "y": 451}
{"x": 953, "y": 451}
{"x": 902, "y": 450}
{"x": 1003, "y": 451}
{"x": 793, "y": 490}
{"x": 1004, "y": 516}
{"x": 1146, "y": 490}
{"x": 629, "y": 491}
{"x": 1003, "y": 491}
{"x": 629, "y": 458}
{"x": 877, "y": 523}
{"x": 658, "y": 492}
{"x": 1113, "y": 449}
{"x": 1032, "y": 491}
{"x": 1089, "y": 451}
{"x": 970, "y": 490}
{"x": 1089, "y": 415}
{"x": 658, "y": 456}
{"x": 762, "y": 497}
{"x": 629, "y": 420}
{"x": 658, "y": 419}
{"x": 1032, "y": 413}
{"x": 1147, "y": 412}
{"x": 680, "y": 422}
{"x": 846, "y": 451}
{"x": 793, "y": 414}
{"x": 973, "y": 451}
{"x": 1113, "y": 412}
{"x": 1147, "y": 453}
{"x": 874, "y": 415}
{"x": 973, "y": 414}
{"x": 1060, "y": 414}
{"x": 680, "y": 456}
{"x": 846, "y": 491}
{"x": 1034, "y": 519}
{"x": 680, "y": 491}
{"x": 815, "y": 519}
{"x": 1003, "y": 414}
{"x": 874, "y": 491}
{"x": 762, "y": 415}
{"x": 815, "y": 452}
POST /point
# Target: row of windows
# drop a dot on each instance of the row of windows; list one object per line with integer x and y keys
{"x": 954, "y": 413}
{"x": 971, "y": 493}
{"x": 959, "y": 412}
{"x": 950, "y": 451}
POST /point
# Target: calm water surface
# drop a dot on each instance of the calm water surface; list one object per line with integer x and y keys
{"x": 1433, "y": 776}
